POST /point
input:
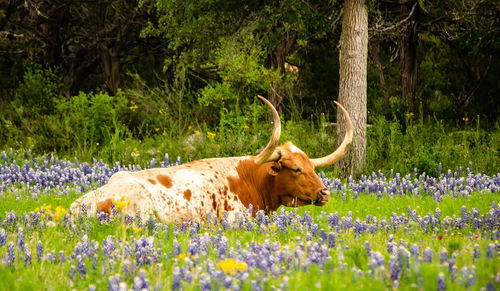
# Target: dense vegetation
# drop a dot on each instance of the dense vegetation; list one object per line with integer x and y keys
{"x": 378, "y": 233}
{"x": 127, "y": 81}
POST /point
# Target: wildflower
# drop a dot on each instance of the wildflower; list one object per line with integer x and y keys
{"x": 121, "y": 204}
{"x": 441, "y": 282}
{"x": 3, "y": 237}
{"x": 11, "y": 256}
{"x": 443, "y": 255}
{"x": 27, "y": 256}
{"x": 60, "y": 213}
{"x": 39, "y": 251}
{"x": 176, "y": 281}
{"x": 20, "y": 238}
{"x": 210, "y": 135}
{"x": 82, "y": 268}
{"x": 331, "y": 240}
{"x": 428, "y": 255}
{"x": 230, "y": 266}
{"x": 205, "y": 282}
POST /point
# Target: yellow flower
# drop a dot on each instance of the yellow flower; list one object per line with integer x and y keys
{"x": 230, "y": 266}
{"x": 273, "y": 226}
{"x": 182, "y": 256}
{"x": 60, "y": 212}
{"x": 210, "y": 135}
{"x": 120, "y": 204}
{"x": 133, "y": 107}
{"x": 465, "y": 119}
{"x": 197, "y": 132}
{"x": 409, "y": 114}
{"x": 135, "y": 153}
{"x": 137, "y": 229}
{"x": 156, "y": 129}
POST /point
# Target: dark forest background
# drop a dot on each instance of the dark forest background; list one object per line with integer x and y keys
{"x": 127, "y": 80}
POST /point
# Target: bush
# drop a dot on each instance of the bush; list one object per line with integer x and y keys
{"x": 91, "y": 120}
{"x": 39, "y": 90}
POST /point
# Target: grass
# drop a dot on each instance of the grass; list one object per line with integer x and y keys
{"x": 288, "y": 258}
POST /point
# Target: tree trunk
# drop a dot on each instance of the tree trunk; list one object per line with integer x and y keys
{"x": 408, "y": 55}
{"x": 375, "y": 50}
{"x": 111, "y": 63}
{"x": 276, "y": 59}
{"x": 353, "y": 84}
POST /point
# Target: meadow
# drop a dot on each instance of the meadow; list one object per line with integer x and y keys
{"x": 402, "y": 232}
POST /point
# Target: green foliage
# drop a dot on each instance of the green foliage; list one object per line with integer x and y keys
{"x": 39, "y": 90}
{"x": 424, "y": 145}
{"x": 91, "y": 120}
{"x": 242, "y": 74}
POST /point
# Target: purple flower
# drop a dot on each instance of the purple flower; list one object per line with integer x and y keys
{"x": 82, "y": 268}
{"x": 368, "y": 248}
{"x": 476, "y": 252}
{"x": 27, "y": 256}
{"x": 114, "y": 283}
{"x": 140, "y": 282}
{"x": 11, "y": 256}
{"x": 428, "y": 255}
{"x": 3, "y": 237}
{"x": 443, "y": 255}
{"x": 176, "y": 280}
{"x": 441, "y": 282}
{"x": 61, "y": 257}
{"x": 39, "y": 251}
{"x": 331, "y": 240}
{"x": 72, "y": 272}
{"x": 205, "y": 282}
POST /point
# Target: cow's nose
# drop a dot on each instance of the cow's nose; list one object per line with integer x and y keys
{"x": 324, "y": 194}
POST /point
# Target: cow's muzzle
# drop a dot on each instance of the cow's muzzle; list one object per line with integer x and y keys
{"x": 323, "y": 196}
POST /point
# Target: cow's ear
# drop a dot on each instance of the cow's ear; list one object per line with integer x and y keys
{"x": 274, "y": 169}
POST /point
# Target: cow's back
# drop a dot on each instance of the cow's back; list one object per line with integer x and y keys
{"x": 180, "y": 193}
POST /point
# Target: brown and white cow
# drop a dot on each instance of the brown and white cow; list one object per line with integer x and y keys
{"x": 279, "y": 175}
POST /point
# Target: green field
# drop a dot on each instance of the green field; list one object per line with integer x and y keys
{"x": 359, "y": 240}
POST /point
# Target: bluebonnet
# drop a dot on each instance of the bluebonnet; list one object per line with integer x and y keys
{"x": 82, "y": 268}
{"x": 176, "y": 280}
{"x": 441, "y": 282}
{"x": 61, "y": 257}
{"x": 476, "y": 252}
{"x": 27, "y": 256}
{"x": 39, "y": 251}
{"x": 428, "y": 255}
{"x": 205, "y": 282}
{"x": 443, "y": 255}
{"x": 3, "y": 237}
{"x": 11, "y": 256}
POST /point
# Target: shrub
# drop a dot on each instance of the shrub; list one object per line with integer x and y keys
{"x": 92, "y": 119}
{"x": 39, "y": 90}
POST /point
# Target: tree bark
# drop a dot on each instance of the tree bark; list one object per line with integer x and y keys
{"x": 110, "y": 61}
{"x": 276, "y": 59}
{"x": 408, "y": 55}
{"x": 375, "y": 50}
{"x": 353, "y": 83}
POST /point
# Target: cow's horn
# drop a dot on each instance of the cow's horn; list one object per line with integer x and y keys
{"x": 342, "y": 149}
{"x": 268, "y": 153}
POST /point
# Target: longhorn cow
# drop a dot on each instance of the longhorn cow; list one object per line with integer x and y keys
{"x": 278, "y": 175}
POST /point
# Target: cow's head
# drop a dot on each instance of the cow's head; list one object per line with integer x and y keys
{"x": 294, "y": 180}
